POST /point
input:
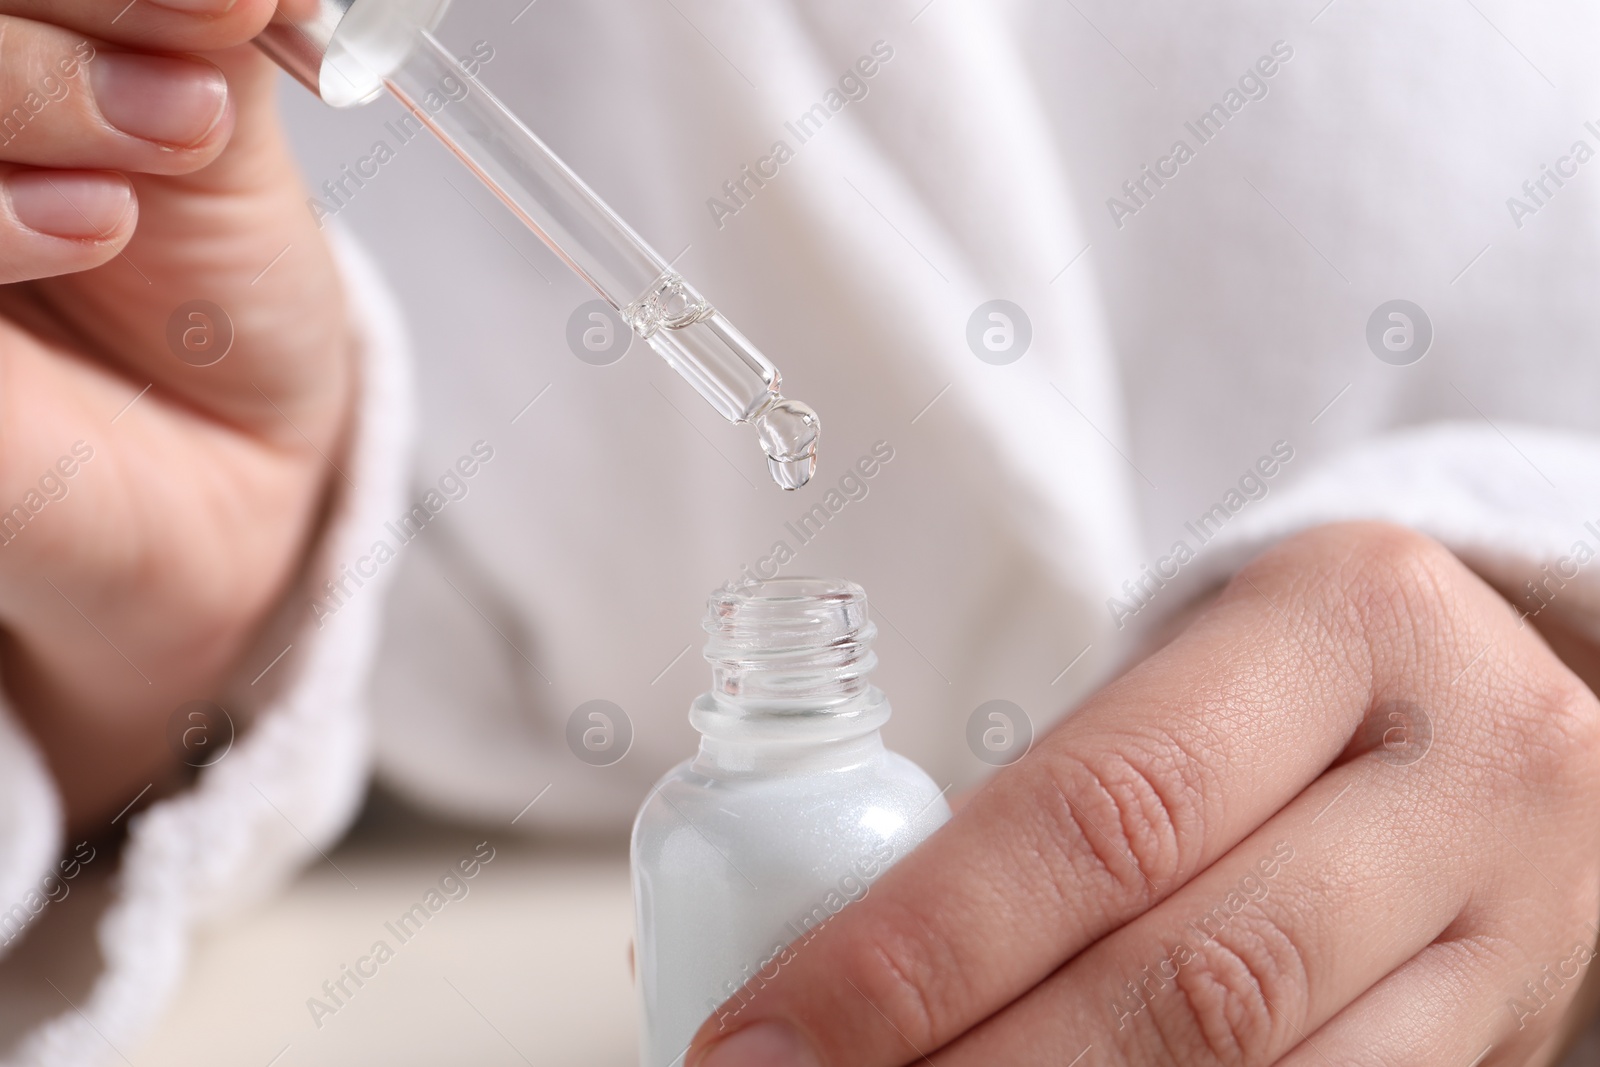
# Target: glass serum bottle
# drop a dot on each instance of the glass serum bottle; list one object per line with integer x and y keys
{"x": 789, "y": 811}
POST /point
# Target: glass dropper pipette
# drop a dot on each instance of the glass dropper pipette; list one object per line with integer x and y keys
{"x": 354, "y": 49}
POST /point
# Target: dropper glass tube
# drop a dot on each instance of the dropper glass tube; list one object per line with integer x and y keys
{"x": 678, "y": 323}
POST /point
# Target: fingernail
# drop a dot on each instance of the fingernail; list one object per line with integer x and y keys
{"x": 159, "y": 98}
{"x": 69, "y": 204}
{"x": 198, "y": 7}
{"x": 761, "y": 1045}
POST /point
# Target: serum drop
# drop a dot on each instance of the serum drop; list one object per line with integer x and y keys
{"x": 790, "y": 810}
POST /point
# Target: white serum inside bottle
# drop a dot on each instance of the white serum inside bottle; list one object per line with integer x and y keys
{"x": 789, "y": 811}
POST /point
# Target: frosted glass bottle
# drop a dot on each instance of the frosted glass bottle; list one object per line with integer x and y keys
{"x": 790, "y": 810}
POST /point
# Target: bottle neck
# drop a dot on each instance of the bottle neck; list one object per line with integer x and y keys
{"x": 790, "y": 660}
{"x": 738, "y": 741}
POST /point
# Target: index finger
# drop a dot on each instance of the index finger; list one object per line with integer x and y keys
{"x": 1152, "y": 780}
{"x": 156, "y": 25}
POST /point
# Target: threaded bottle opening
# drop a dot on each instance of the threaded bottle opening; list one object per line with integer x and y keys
{"x": 790, "y": 645}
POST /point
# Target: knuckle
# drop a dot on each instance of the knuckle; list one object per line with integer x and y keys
{"x": 1369, "y": 585}
{"x": 1407, "y": 594}
{"x": 1552, "y": 738}
{"x": 1355, "y": 555}
{"x": 898, "y": 963}
{"x": 1391, "y": 547}
{"x": 1397, "y": 576}
{"x": 1135, "y": 813}
{"x": 1235, "y": 1000}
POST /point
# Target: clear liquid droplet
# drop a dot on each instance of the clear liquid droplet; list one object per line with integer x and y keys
{"x": 789, "y": 431}
{"x": 792, "y": 473}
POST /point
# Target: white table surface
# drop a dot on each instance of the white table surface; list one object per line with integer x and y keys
{"x": 529, "y": 968}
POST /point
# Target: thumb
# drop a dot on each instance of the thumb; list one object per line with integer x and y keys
{"x": 236, "y": 239}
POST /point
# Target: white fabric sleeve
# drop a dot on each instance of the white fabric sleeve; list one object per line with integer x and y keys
{"x": 1516, "y": 503}
{"x": 292, "y": 780}
{"x": 31, "y": 827}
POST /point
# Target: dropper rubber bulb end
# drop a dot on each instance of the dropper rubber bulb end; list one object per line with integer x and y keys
{"x": 789, "y": 431}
